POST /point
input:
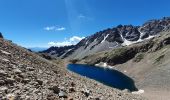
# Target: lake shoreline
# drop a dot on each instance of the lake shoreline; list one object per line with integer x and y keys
{"x": 100, "y": 74}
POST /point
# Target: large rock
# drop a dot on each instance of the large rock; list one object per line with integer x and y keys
{"x": 62, "y": 94}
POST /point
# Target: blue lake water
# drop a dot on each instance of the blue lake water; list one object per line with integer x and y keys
{"x": 106, "y": 76}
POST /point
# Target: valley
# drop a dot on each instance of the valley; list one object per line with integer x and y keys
{"x": 123, "y": 63}
{"x": 142, "y": 53}
{"x": 27, "y": 76}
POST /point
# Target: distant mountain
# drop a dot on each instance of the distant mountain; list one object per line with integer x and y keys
{"x": 59, "y": 51}
{"x": 37, "y": 49}
{"x": 110, "y": 38}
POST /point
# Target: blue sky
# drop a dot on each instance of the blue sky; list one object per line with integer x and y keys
{"x": 42, "y": 23}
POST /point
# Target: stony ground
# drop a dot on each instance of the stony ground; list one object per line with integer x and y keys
{"x": 27, "y": 76}
{"x": 151, "y": 74}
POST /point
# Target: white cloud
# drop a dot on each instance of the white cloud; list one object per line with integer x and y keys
{"x": 54, "y": 28}
{"x": 59, "y": 44}
{"x": 60, "y": 28}
{"x": 72, "y": 41}
{"x": 81, "y": 16}
{"x": 76, "y": 39}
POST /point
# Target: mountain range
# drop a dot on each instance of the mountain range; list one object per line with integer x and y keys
{"x": 110, "y": 38}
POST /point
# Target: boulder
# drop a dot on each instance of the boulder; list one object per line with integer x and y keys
{"x": 3, "y": 73}
{"x": 40, "y": 82}
{"x": 62, "y": 94}
{"x": 17, "y": 71}
{"x": 10, "y": 81}
{"x": 55, "y": 89}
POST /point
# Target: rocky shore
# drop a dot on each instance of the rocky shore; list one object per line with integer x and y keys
{"x": 27, "y": 76}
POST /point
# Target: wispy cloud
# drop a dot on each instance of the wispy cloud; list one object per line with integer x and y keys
{"x": 81, "y": 16}
{"x": 71, "y": 41}
{"x": 54, "y": 28}
{"x": 59, "y": 44}
{"x": 84, "y": 17}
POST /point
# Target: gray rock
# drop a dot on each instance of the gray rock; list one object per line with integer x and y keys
{"x": 17, "y": 71}
{"x": 2, "y": 82}
{"x": 3, "y": 89}
{"x": 10, "y": 81}
{"x": 55, "y": 89}
{"x": 3, "y": 73}
{"x": 86, "y": 92}
{"x": 71, "y": 89}
{"x": 62, "y": 94}
{"x": 26, "y": 80}
{"x": 30, "y": 68}
{"x": 4, "y": 52}
{"x": 5, "y": 60}
{"x": 40, "y": 82}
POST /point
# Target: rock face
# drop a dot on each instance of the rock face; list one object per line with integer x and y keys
{"x": 58, "y": 51}
{"x": 111, "y": 38}
{"x": 1, "y": 36}
{"x": 27, "y": 76}
{"x": 123, "y": 54}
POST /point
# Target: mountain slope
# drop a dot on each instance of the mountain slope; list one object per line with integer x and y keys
{"x": 27, "y": 76}
{"x": 148, "y": 63}
{"x": 108, "y": 39}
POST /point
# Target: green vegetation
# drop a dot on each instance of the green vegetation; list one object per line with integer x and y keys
{"x": 74, "y": 61}
{"x": 138, "y": 57}
{"x": 117, "y": 52}
{"x": 160, "y": 58}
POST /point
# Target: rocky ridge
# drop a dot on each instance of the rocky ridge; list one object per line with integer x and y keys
{"x": 121, "y": 55}
{"x": 112, "y": 38}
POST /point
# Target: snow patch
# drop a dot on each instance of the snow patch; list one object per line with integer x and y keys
{"x": 104, "y": 65}
{"x": 87, "y": 42}
{"x": 150, "y": 37}
{"x": 66, "y": 52}
{"x": 69, "y": 50}
{"x": 126, "y": 42}
{"x": 105, "y": 38}
{"x": 95, "y": 40}
{"x": 138, "y": 92}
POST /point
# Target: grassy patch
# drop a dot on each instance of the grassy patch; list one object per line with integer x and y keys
{"x": 117, "y": 53}
{"x": 159, "y": 58}
{"x": 73, "y": 61}
{"x": 138, "y": 57}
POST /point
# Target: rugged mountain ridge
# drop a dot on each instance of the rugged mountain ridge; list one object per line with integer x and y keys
{"x": 121, "y": 55}
{"x": 111, "y": 38}
{"x": 58, "y": 51}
